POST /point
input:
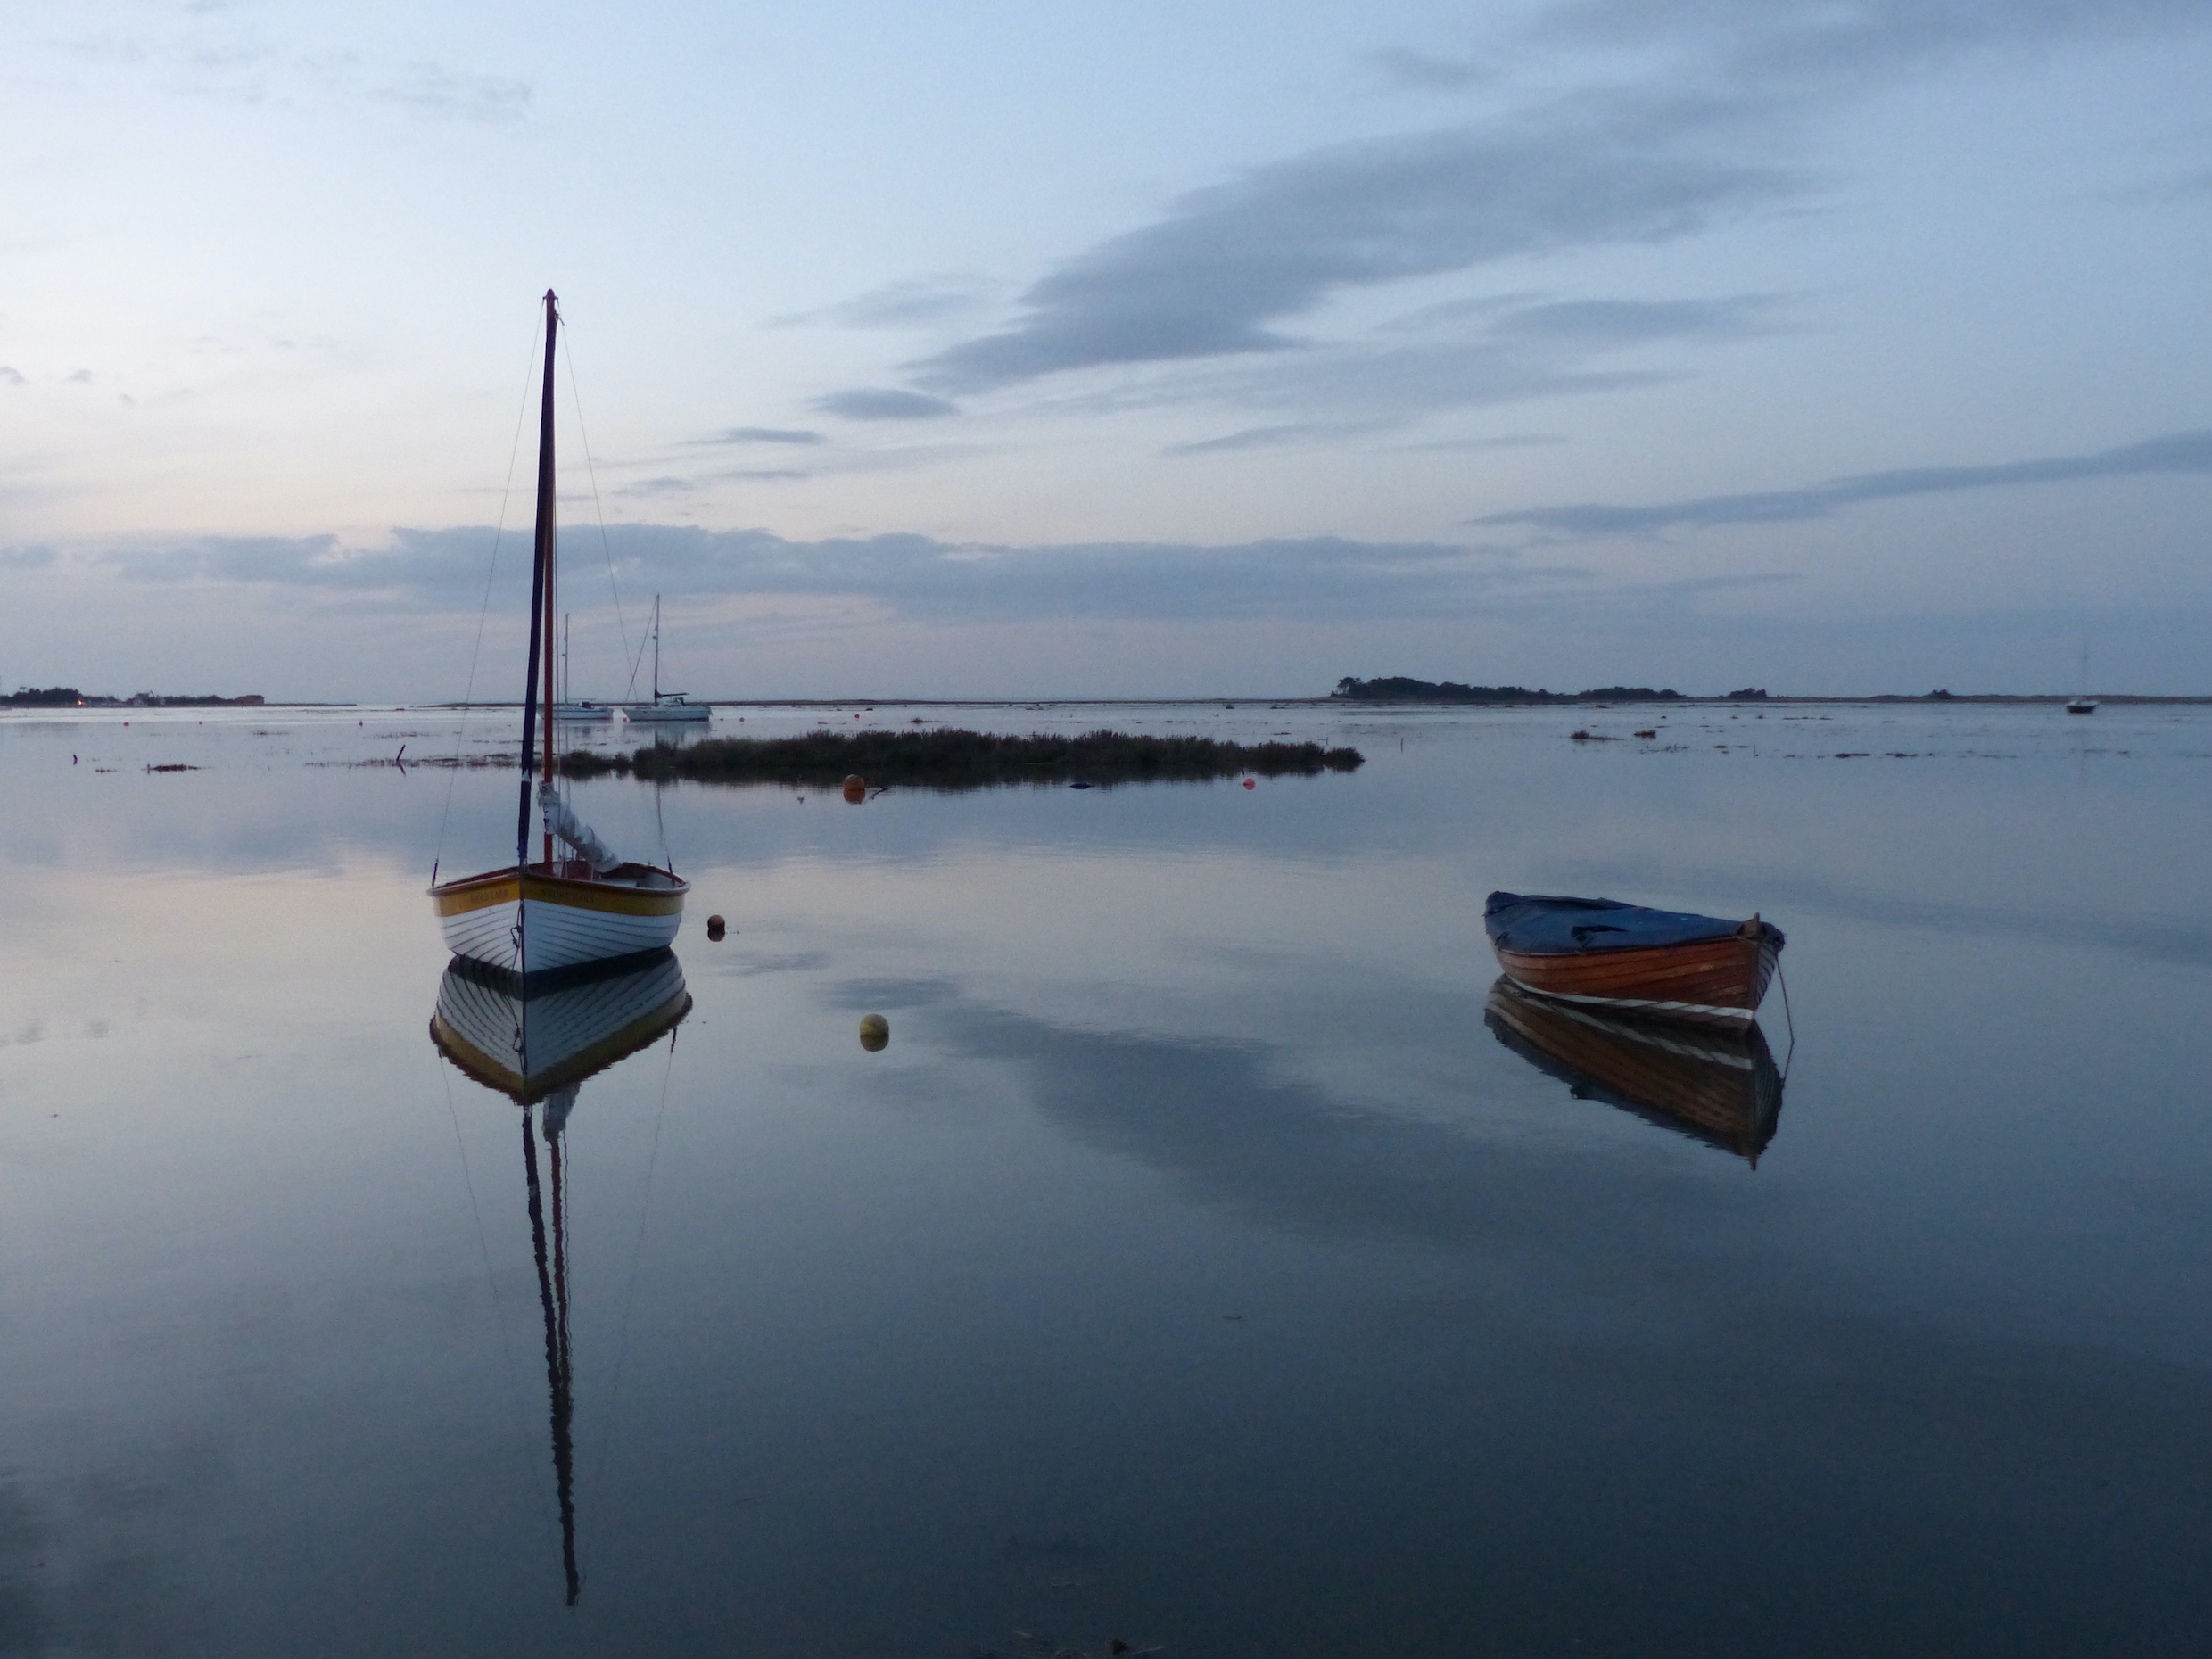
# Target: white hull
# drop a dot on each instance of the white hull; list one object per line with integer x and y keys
{"x": 534, "y": 923}
{"x": 527, "y": 1045}
{"x": 648, "y": 714}
{"x": 558, "y": 936}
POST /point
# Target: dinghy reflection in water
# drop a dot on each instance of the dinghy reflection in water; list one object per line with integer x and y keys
{"x": 1720, "y": 1086}
{"x": 536, "y": 1040}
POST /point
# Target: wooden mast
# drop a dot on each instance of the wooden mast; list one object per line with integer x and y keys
{"x": 548, "y": 550}
{"x": 540, "y": 602}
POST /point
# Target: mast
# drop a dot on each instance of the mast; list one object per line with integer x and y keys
{"x": 657, "y": 649}
{"x": 553, "y": 1298}
{"x": 540, "y": 601}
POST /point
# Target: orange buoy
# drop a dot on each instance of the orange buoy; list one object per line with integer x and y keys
{"x": 856, "y": 789}
{"x": 714, "y": 927}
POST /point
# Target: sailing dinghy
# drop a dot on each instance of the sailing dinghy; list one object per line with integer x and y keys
{"x": 551, "y": 913}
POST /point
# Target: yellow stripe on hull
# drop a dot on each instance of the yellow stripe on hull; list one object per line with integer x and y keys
{"x": 528, "y": 921}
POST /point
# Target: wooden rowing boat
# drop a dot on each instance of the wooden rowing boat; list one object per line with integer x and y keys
{"x": 1601, "y": 953}
{"x": 1719, "y": 1086}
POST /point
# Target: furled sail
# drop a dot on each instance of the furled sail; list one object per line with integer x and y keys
{"x": 560, "y": 820}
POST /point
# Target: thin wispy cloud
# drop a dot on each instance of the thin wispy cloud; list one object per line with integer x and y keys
{"x": 219, "y": 57}
{"x": 1423, "y": 71}
{"x": 1444, "y": 359}
{"x": 431, "y": 89}
{"x": 763, "y": 435}
{"x": 885, "y": 403}
{"x": 1217, "y": 275}
{"x": 2187, "y": 452}
{"x": 913, "y": 302}
{"x": 1310, "y": 578}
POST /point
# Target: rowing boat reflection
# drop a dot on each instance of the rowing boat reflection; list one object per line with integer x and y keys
{"x": 1716, "y": 1086}
{"x": 537, "y": 1042}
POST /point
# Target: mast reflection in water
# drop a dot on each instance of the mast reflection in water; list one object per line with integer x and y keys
{"x": 537, "y": 1042}
{"x": 1718, "y": 1086}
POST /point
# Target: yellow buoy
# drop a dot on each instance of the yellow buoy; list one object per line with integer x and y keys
{"x": 875, "y": 1033}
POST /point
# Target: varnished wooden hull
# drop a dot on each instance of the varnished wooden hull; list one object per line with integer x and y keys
{"x": 1720, "y": 1086}
{"x": 1711, "y": 981}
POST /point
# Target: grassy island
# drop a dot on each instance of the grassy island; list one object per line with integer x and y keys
{"x": 962, "y": 760}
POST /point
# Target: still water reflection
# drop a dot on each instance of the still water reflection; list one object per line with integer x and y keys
{"x": 1717, "y": 1086}
{"x": 1196, "y": 1267}
{"x": 541, "y": 1039}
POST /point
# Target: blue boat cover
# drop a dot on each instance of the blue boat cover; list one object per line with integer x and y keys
{"x": 1543, "y": 924}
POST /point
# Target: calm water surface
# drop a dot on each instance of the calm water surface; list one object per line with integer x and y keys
{"x": 1195, "y": 1267}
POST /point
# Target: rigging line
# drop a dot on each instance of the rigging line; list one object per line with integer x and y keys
{"x": 483, "y": 611}
{"x": 1782, "y": 978}
{"x": 492, "y": 1282}
{"x": 630, "y": 1291}
{"x": 575, "y": 397}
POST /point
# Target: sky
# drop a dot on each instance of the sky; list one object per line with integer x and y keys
{"x": 1833, "y": 346}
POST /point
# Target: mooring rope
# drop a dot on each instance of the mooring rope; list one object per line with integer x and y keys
{"x": 1781, "y": 978}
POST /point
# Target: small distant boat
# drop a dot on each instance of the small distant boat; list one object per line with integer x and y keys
{"x": 665, "y": 705}
{"x": 1605, "y": 954}
{"x": 1718, "y": 1086}
{"x": 2084, "y": 704}
{"x": 572, "y": 711}
{"x": 536, "y": 915}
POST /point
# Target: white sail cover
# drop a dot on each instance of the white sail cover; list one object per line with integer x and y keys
{"x": 561, "y": 821}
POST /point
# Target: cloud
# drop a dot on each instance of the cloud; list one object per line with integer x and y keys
{"x": 762, "y": 434}
{"x": 1268, "y": 437}
{"x": 2187, "y": 452}
{"x": 884, "y": 403}
{"x": 430, "y": 90}
{"x": 1227, "y": 263}
{"x": 1699, "y": 134}
{"x": 1445, "y": 358}
{"x": 1322, "y": 578}
{"x": 25, "y": 558}
{"x": 906, "y": 304}
{"x": 1419, "y": 71}
{"x": 1795, "y": 45}
{"x": 11, "y": 376}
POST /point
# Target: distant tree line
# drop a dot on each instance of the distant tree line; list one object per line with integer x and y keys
{"x": 70, "y": 697}
{"x": 1400, "y": 688}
